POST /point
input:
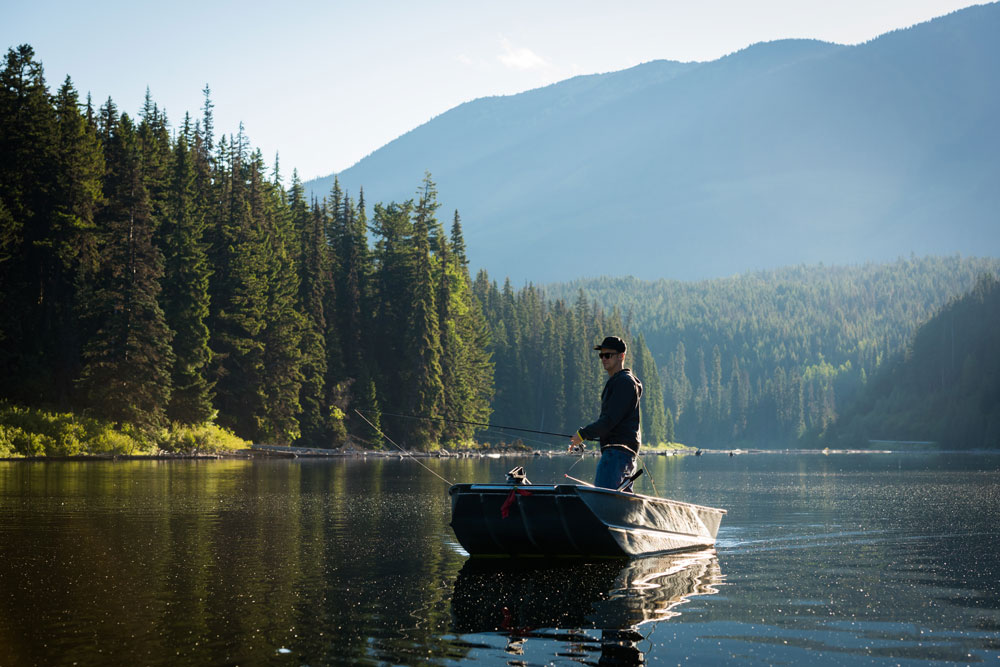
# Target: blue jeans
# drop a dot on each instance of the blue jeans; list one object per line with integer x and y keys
{"x": 616, "y": 465}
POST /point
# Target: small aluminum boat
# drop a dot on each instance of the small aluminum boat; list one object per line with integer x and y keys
{"x": 575, "y": 520}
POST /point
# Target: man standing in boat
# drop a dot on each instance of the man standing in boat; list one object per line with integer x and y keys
{"x": 617, "y": 428}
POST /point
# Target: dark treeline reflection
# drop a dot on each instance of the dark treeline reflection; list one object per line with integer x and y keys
{"x": 225, "y": 563}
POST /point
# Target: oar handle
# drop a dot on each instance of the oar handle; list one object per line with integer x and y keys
{"x": 631, "y": 479}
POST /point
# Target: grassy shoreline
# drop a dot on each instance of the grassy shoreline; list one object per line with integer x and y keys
{"x": 37, "y": 433}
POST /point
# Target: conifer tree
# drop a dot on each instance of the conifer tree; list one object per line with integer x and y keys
{"x": 506, "y": 337}
{"x": 678, "y": 382}
{"x": 554, "y": 373}
{"x": 314, "y": 274}
{"x": 239, "y": 295}
{"x": 126, "y": 374}
{"x": 458, "y": 242}
{"x": 185, "y": 294}
{"x": 580, "y": 401}
{"x": 282, "y": 374}
{"x": 332, "y": 210}
{"x": 466, "y": 367}
{"x": 670, "y": 434}
{"x": 351, "y": 278}
{"x": 422, "y": 338}
{"x": 653, "y": 417}
{"x": 154, "y": 147}
{"x": 27, "y": 176}
{"x": 207, "y": 124}
{"x": 76, "y": 196}
{"x": 392, "y": 229}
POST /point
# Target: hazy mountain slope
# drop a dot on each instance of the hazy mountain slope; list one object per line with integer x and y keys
{"x": 785, "y": 152}
{"x": 945, "y": 388}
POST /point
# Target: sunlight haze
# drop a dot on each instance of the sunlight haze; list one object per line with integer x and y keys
{"x": 325, "y": 84}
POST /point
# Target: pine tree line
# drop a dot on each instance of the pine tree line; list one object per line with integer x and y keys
{"x": 775, "y": 358}
{"x": 547, "y": 374}
{"x": 152, "y": 275}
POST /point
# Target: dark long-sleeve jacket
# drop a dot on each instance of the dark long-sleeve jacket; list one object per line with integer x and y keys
{"x": 619, "y": 420}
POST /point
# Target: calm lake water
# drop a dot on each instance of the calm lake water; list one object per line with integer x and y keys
{"x": 839, "y": 559}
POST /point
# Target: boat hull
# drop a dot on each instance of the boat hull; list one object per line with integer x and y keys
{"x": 576, "y": 520}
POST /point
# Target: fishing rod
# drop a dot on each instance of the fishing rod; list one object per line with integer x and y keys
{"x": 488, "y": 425}
{"x": 468, "y": 423}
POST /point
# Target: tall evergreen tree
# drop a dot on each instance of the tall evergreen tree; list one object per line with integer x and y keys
{"x": 670, "y": 434}
{"x": 239, "y": 295}
{"x": 466, "y": 367}
{"x": 27, "y": 176}
{"x": 654, "y": 426}
{"x": 126, "y": 374}
{"x": 154, "y": 147}
{"x": 314, "y": 275}
{"x": 351, "y": 280}
{"x": 392, "y": 228}
{"x": 581, "y": 401}
{"x": 76, "y": 196}
{"x": 282, "y": 334}
{"x": 185, "y": 295}
{"x": 422, "y": 338}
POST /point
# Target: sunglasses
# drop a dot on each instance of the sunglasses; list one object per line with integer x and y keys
{"x": 607, "y": 355}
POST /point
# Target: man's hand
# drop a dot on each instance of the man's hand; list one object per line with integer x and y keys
{"x": 576, "y": 443}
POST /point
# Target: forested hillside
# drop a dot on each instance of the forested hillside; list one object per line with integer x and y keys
{"x": 945, "y": 388}
{"x": 766, "y": 358}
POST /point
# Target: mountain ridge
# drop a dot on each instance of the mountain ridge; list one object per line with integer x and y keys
{"x": 783, "y": 152}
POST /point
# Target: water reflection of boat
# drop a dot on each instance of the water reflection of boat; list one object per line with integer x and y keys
{"x": 575, "y": 520}
{"x": 519, "y": 596}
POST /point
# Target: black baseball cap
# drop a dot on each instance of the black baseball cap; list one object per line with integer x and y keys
{"x": 612, "y": 343}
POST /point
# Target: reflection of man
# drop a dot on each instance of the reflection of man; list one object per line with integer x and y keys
{"x": 618, "y": 426}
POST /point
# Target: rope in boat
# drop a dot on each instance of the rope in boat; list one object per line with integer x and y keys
{"x": 650, "y": 476}
{"x": 403, "y": 450}
{"x": 579, "y": 458}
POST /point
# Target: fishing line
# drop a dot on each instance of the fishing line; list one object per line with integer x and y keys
{"x": 403, "y": 450}
{"x": 575, "y": 462}
{"x": 523, "y": 438}
{"x": 650, "y": 476}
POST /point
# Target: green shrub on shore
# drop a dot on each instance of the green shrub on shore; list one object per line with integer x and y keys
{"x": 206, "y": 438}
{"x": 35, "y": 432}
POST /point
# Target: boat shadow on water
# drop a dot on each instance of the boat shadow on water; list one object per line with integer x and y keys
{"x": 559, "y": 599}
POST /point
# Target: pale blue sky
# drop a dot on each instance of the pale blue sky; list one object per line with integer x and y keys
{"x": 326, "y": 83}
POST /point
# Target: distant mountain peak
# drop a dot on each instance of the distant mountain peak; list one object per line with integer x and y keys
{"x": 784, "y": 152}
